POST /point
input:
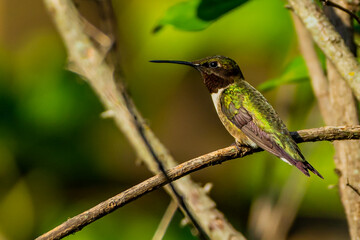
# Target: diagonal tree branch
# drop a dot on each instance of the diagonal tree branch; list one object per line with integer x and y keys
{"x": 347, "y": 154}
{"x": 329, "y": 41}
{"x": 76, "y": 223}
{"x": 90, "y": 62}
{"x": 165, "y": 221}
{"x": 282, "y": 211}
{"x": 319, "y": 81}
{"x": 335, "y": 5}
{"x": 335, "y": 97}
{"x": 109, "y": 23}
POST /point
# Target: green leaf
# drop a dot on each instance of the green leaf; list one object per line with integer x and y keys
{"x": 196, "y": 15}
{"x": 295, "y": 72}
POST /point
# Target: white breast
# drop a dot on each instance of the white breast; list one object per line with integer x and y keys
{"x": 216, "y": 98}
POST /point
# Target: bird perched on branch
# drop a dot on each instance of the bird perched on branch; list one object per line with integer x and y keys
{"x": 245, "y": 112}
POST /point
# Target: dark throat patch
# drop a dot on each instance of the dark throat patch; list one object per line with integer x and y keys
{"x": 214, "y": 82}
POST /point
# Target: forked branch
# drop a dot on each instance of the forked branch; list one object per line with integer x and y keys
{"x": 329, "y": 41}
{"x": 89, "y": 61}
{"x": 76, "y": 223}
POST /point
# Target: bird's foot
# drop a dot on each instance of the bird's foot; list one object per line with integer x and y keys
{"x": 237, "y": 145}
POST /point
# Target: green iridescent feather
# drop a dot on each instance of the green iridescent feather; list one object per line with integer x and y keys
{"x": 243, "y": 95}
{"x": 245, "y": 113}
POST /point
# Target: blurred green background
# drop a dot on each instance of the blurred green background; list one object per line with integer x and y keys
{"x": 58, "y": 157}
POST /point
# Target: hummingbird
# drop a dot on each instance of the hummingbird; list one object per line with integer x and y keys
{"x": 245, "y": 112}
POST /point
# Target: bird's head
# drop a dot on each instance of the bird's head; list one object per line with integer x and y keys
{"x": 217, "y": 71}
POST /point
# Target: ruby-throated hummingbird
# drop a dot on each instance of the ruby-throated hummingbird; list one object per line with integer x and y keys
{"x": 245, "y": 112}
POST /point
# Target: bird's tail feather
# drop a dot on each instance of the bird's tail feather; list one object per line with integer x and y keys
{"x": 304, "y": 166}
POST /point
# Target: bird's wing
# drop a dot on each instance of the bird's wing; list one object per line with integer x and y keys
{"x": 271, "y": 142}
{"x": 242, "y": 119}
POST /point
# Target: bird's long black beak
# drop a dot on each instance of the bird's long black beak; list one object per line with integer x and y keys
{"x": 176, "y": 62}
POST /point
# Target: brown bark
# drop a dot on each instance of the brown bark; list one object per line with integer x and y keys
{"x": 76, "y": 223}
{"x": 329, "y": 41}
{"x": 88, "y": 60}
{"x": 343, "y": 105}
{"x": 334, "y": 95}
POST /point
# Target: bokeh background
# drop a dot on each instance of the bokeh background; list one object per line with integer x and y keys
{"x": 58, "y": 157}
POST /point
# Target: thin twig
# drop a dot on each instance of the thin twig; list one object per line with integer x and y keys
{"x": 283, "y": 212}
{"x": 319, "y": 81}
{"x": 108, "y": 85}
{"x": 332, "y": 4}
{"x": 329, "y": 41}
{"x": 353, "y": 188}
{"x": 347, "y": 154}
{"x": 76, "y": 223}
{"x": 338, "y": 97}
{"x": 109, "y": 25}
{"x": 165, "y": 221}
{"x": 98, "y": 36}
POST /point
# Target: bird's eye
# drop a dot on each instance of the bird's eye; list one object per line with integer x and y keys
{"x": 213, "y": 64}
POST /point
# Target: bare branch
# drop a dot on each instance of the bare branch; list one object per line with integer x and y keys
{"x": 76, "y": 223}
{"x": 332, "y": 4}
{"x": 319, "y": 81}
{"x": 353, "y": 188}
{"x": 89, "y": 61}
{"x": 165, "y": 221}
{"x": 338, "y": 101}
{"x": 110, "y": 25}
{"x": 329, "y": 41}
{"x": 347, "y": 154}
{"x": 282, "y": 213}
{"x": 327, "y": 134}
